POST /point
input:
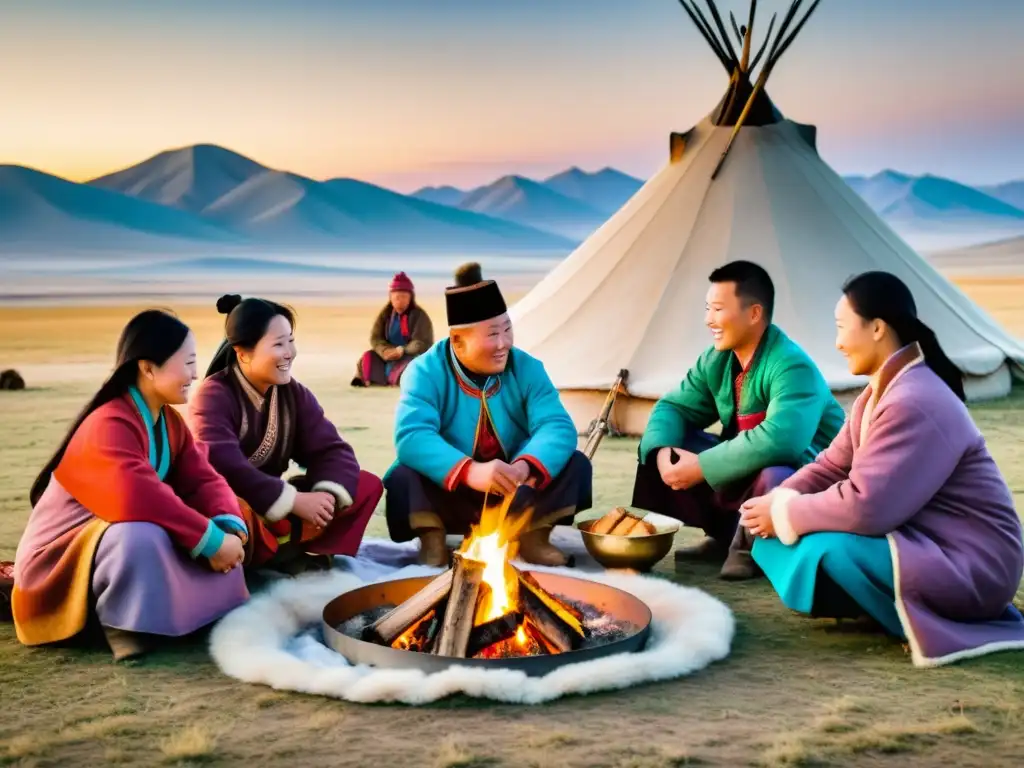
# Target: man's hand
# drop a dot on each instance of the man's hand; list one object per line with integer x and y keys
{"x": 684, "y": 473}
{"x": 493, "y": 475}
{"x": 390, "y": 354}
{"x": 521, "y": 470}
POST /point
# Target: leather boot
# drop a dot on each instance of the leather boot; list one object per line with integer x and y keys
{"x": 707, "y": 550}
{"x": 740, "y": 565}
{"x": 125, "y": 644}
{"x": 433, "y": 550}
{"x": 535, "y": 547}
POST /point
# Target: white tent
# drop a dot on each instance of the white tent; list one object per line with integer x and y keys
{"x": 632, "y": 296}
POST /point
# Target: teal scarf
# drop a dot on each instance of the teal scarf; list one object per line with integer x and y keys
{"x": 162, "y": 462}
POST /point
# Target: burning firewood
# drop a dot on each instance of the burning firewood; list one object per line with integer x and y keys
{"x": 421, "y": 635}
{"x": 543, "y": 644}
{"x": 561, "y": 624}
{"x": 467, "y": 576}
{"x": 487, "y": 634}
{"x": 393, "y": 624}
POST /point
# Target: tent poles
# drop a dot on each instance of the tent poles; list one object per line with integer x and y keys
{"x": 722, "y": 30}
{"x": 748, "y": 37}
{"x": 764, "y": 45}
{"x": 773, "y": 57}
{"x": 738, "y": 31}
{"x": 708, "y": 37}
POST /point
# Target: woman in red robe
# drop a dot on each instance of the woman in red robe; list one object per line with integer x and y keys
{"x": 128, "y": 515}
{"x": 255, "y": 419}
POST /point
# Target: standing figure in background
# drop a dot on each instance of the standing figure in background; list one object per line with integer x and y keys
{"x": 905, "y": 517}
{"x": 129, "y": 520}
{"x": 478, "y": 416}
{"x": 255, "y": 419}
{"x": 776, "y": 412}
{"x": 401, "y": 331}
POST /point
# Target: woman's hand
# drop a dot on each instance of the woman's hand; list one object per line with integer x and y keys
{"x": 230, "y": 554}
{"x": 316, "y": 508}
{"x": 756, "y": 516}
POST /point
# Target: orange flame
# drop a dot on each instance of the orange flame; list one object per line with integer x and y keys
{"x": 493, "y": 542}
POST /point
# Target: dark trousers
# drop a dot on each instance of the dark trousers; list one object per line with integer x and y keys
{"x": 410, "y": 493}
{"x": 715, "y": 512}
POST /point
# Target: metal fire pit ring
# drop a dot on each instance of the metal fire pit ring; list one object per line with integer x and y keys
{"x": 621, "y": 605}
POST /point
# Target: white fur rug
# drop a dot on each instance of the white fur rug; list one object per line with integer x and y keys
{"x": 274, "y": 640}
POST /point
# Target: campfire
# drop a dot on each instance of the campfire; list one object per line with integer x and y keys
{"x": 483, "y": 607}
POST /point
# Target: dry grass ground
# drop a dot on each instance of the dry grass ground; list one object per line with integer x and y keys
{"x": 794, "y": 692}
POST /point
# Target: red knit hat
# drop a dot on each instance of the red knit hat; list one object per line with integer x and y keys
{"x": 401, "y": 282}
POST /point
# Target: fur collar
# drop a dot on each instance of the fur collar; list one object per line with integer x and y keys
{"x": 899, "y": 363}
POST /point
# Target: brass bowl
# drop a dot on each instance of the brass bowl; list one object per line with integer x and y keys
{"x": 639, "y": 553}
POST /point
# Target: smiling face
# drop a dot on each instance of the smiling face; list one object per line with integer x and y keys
{"x": 484, "y": 348}
{"x": 400, "y": 301}
{"x": 864, "y": 343}
{"x": 733, "y": 322}
{"x": 269, "y": 363}
{"x": 169, "y": 383}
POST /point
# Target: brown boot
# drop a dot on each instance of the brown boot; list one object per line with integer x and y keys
{"x": 740, "y": 565}
{"x": 535, "y": 547}
{"x": 125, "y": 644}
{"x": 707, "y": 550}
{"x": 433, "y": 550}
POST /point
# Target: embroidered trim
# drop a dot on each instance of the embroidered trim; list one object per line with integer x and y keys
{"x": 266, "y": 446}
{"x": 250, "y": 391}
{"x": 491, "y": 387}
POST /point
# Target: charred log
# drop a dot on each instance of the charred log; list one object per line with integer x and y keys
{"x": 392, "y": 625}
{"x": 453, "y": 639}
{"x": 561, "y": 624}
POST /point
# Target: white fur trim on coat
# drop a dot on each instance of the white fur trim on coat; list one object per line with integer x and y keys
{"x": 780, "y": 515}
{"x": 336, "y": 490}
{"x": 280, "y": 508}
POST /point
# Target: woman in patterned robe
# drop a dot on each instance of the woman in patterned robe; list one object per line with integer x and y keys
{"x": 255, "y": 419}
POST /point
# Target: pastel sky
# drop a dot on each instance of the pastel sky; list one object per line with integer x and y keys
{"x": 413, "y": 92}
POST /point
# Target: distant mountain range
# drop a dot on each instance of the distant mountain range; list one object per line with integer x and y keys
{"x": 918, "y": 206}
{"x": 209, "y": 198}
{"x": 573, "y": 203}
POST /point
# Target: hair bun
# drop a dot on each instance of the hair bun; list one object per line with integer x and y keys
{"x": 228, "y": 302}
{"x": 468, "y": 274}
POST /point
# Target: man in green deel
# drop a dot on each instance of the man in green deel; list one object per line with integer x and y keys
{"x": 776, "y": 411}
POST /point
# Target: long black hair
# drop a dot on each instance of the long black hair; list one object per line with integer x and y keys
{"x": 883, "y": 296}
{"x": 153, "y": 335}
{"x": 246, "y": 324}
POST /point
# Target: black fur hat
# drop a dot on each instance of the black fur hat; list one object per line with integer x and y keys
{"x": 472, "y": 299}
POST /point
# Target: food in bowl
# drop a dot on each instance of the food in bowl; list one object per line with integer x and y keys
{"x": 622, "y": 522}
